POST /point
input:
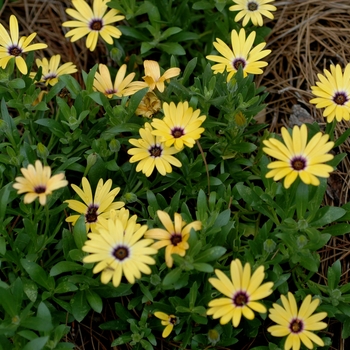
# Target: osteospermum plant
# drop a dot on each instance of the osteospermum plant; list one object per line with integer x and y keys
{"x": 141, "y": 197}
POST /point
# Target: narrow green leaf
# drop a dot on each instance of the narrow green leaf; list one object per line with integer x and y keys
{"x": 36, "y": 344}
{"x": 94, "y": 300}
{"x": 79, "y": 232}
{"x": 65, "y": 266}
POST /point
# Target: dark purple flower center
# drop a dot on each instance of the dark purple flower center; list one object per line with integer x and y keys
{"x": 340, "y": 98}
{"x": 172, "y": 320}
{"x": 96, "y": 24}
{"x": 298, "y": 163}
{"x": 252, "y": 6}
{"x": 155, "y": 151}
{"x": 121, "y": 252}
{"x": 40, "y": 189}
{"x": 239, "y": 62}
{"x": 91, "y": 213}
{"x": 177, "y": 132}
{"x": 240, "y": 299}
{"x": 14, "y": 50}
{"x": 296, "y": 326}
{"x": 175, "y": 239}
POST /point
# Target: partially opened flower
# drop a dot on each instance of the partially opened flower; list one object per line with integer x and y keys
{"x": 149, "y": 105}
{"x": 333, "y": 93}
{"x": 51, "y": 69}
{"x": 37, "y": 182}
{"x": 181, "y": 126}
{"x": 297, "y": 325}
{"x": 168, "y": 321}
{"x": 12, "y": 46}
{"x": 97, "y": 208}
{"x": 298, "y": 157}
{"x": 174, "y": 237}
{"x": 118, "y": 252}
{"x": 253, "y": 10}
{"x": 93, "y": 22}
{"x": 242, "y": 55}
{"x": 242, "y": 293}
{"x": 152, "y": 78}
{"x": 103, "y": 81}
{"x": 151, "y": 153}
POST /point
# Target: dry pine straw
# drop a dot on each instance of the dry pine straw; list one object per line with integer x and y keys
{"x": 307, "y": 36}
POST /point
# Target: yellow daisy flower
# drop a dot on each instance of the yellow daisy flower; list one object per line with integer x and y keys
{"x": 149, "y": 105}
{"x": 123, "y": 216}
{"x": 51, "y": 70}
{"x": 243, "y": 290}
{"x": 241, "y": 55}
{"x": 103, "y": 81}
{"x": 96, "y": 209}
{"x": 12, "y": 46}
{"x": 174, "y": 237}
{"x": 169, "y": 321}
{"x": 297, "y": 157}
{"x": 93, "y": 22}
{"x": 38, "y": 182}
{"x": 119, "y": 253}
{"x": 296, "y": 324}
{"x": 333, "y": 93}
{"x": 253, "y": 10}
{"x": 152, "y": 78}
{"x": 150, "y": 153}
{"x": 180, "y": 125}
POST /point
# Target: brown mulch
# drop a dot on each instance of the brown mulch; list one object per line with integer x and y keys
{"x": 307, "y": 36}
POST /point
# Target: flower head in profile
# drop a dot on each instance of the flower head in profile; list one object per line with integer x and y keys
{"x": 95, "y": 208}
{"x": 103, "y": 81}
{"x": 297, "y": 325}
{"x": 333, "y": 93}
{"x": 242, "y": 293}
{"x": 149, "y": 105}
{"x": 51, "y": 69}
{"x": 12, "y": 46}
{"x": 153, "y": 79}
{"x": 151, "y": 153}
{"x": 37, "y": 182}
{"x": 174, "y": 237}
{"x": 241, "y": 55}
{"x": 169, "y": 321}
{"x": 93, "y": 22}
{"x": 298, "y": 157}
{"x": 181, "y": 126}
{"x": 252, "y": 10}
{"x": 118, "y": 252}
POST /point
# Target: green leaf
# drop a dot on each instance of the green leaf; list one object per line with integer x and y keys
{"x": 327, "y": 215}
{"x": 202, "y": 206}
{"x": 79, "y": 232}
{"x": 309, "y": 262}
{"x": 169, "y": 31}
{"x": 333, "y": 275}
{"x": 4, "y": 198}
{"x": 172, "y": 276}
{"x": 38, "y": 274}
{"x": 17, "y": 83}
{"x": 338, "y": 229}
{"x": 65, "y": 287}
{"x": 346, "y": 328}
{"x": 94, "y": 300}
{"x": 146, "y": 345}
{"x": 193, "y": 295}
{"x": 203, "y": 267}
{"x": 243, "y": 147}
{"x": 36, "y": 344}
{"x": 172, "y": 49}
{"x": 54, "y": 126}
{"x": 122, "y": 311}
{"x": 65, "y": 266}
{"x": 6, "y": 301}
{"x": 302, "y": 200}
{"x": 210, "y": 254}
{"x": 133, "y": 33}
{"x": 123, "y": 339}
{"x": 80, "y": 306}
{"x": 202, "y": 5}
